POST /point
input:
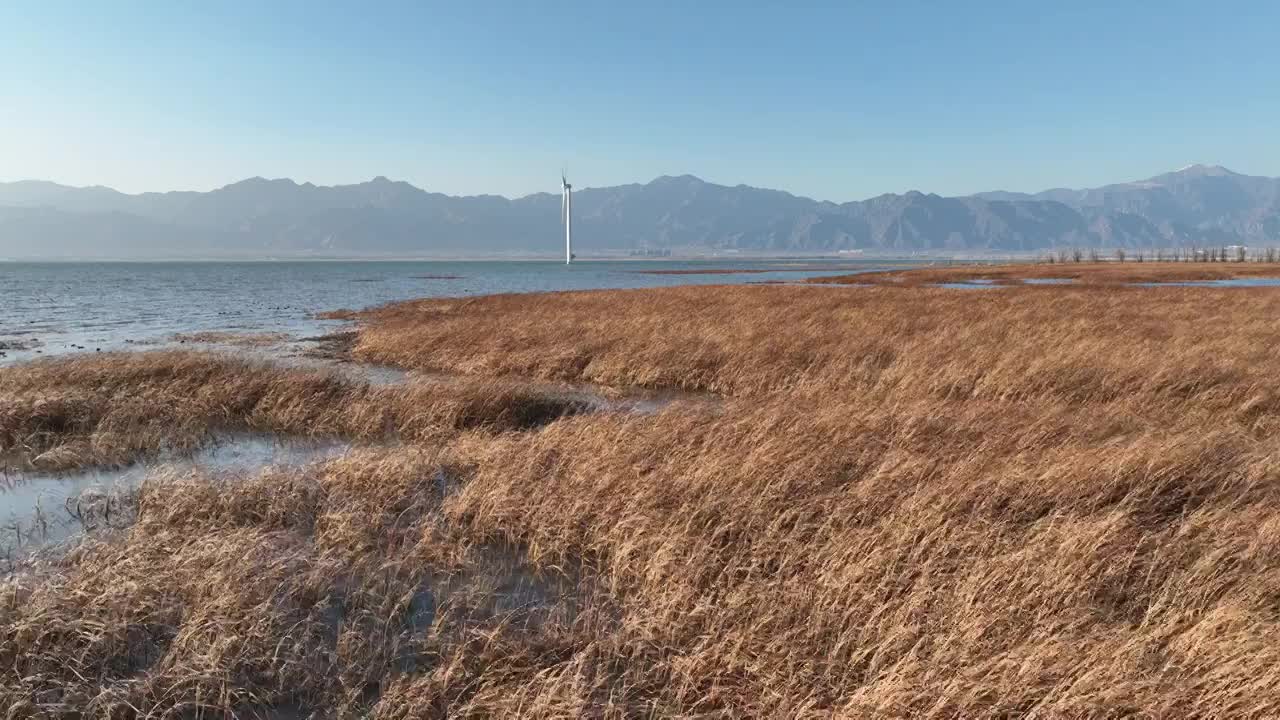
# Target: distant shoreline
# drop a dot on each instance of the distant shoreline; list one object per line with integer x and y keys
{"x": 722, "y": 259}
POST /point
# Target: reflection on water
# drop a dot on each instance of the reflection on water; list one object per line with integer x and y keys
{"x": 970, "y": 285}
{"x": 38, "y": 508}
{"x": 294, "y": 356}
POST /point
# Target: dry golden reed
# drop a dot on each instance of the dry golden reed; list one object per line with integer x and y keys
{"x": 912, "y": 502}
{"x": 112, "y": 409}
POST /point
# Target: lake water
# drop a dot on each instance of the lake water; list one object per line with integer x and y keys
{"x": 58, "y": 308}
{"x": 1230, "y": 282}
{"x": 38, "y": 508}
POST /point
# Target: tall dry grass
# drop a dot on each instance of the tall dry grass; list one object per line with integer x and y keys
{"x": 111, "y": 409}
{"x": 283, "y": 592}
{"x": 913, "y": 503}
{"x": 919, "y": 560}
{"x": 873, "y": 344}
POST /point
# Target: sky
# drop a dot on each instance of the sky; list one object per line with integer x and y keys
{"x": 832, "y": 100}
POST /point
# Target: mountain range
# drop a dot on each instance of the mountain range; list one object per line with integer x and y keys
{"x": 1197, "y": 205}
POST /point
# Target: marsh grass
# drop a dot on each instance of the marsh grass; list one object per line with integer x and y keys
{"x": 278, "y": 589}
{"x": 1087, "y": 343}
{"x": 1048, "y": 502}
{"x": 112, "y": 409}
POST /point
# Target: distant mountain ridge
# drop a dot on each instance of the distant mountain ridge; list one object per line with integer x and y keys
{"x": 1197, "y": 205}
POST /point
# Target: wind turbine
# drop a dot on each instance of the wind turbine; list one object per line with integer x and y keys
{"x": 566, "y": 216}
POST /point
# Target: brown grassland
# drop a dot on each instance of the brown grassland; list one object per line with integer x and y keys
{"x": 911, "y": 502}
{"x": 111, "y": 410}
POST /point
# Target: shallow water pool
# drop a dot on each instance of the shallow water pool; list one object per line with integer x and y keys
{"x": 977, "y": 284}
{"x": 38, "y": 508}
{"x": 1232, "y": 282}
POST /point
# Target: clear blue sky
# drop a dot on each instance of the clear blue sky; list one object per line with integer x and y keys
{"x": 837, "y": 101}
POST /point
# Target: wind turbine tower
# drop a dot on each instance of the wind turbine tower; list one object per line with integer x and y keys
{"x": 566, "y": 215}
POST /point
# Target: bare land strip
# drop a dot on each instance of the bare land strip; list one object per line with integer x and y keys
{"x": 789, "y": 267}
{"x": 1104, "y": 273}
{"x": 707, "y": 271}
{"x": 1059, "y": 501}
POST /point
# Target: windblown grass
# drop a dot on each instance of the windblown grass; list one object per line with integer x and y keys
{"x": 1048, "y": 502}
{"x": 952, "y": 560}
{"x": 873, "y": 344}
{"x": 317, "y": 591}
{"x": 112, "y": 409}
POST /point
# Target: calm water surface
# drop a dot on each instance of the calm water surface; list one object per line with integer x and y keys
{"x": 36, "y": 507}
{"x": 58, "y": 308}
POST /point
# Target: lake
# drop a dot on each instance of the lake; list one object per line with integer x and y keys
{"x": 60, "y": 308}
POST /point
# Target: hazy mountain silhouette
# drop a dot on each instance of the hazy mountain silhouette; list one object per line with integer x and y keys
{"x": 1196, "y": 205}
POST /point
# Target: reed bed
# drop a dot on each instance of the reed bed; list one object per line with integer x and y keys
{"x": 282, "y": 592}
{"x": 873, "y": 343}
{"x": 920, "y": 560}
{"x": 113, "y": 409}
{"x": 1034, "y": 502}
